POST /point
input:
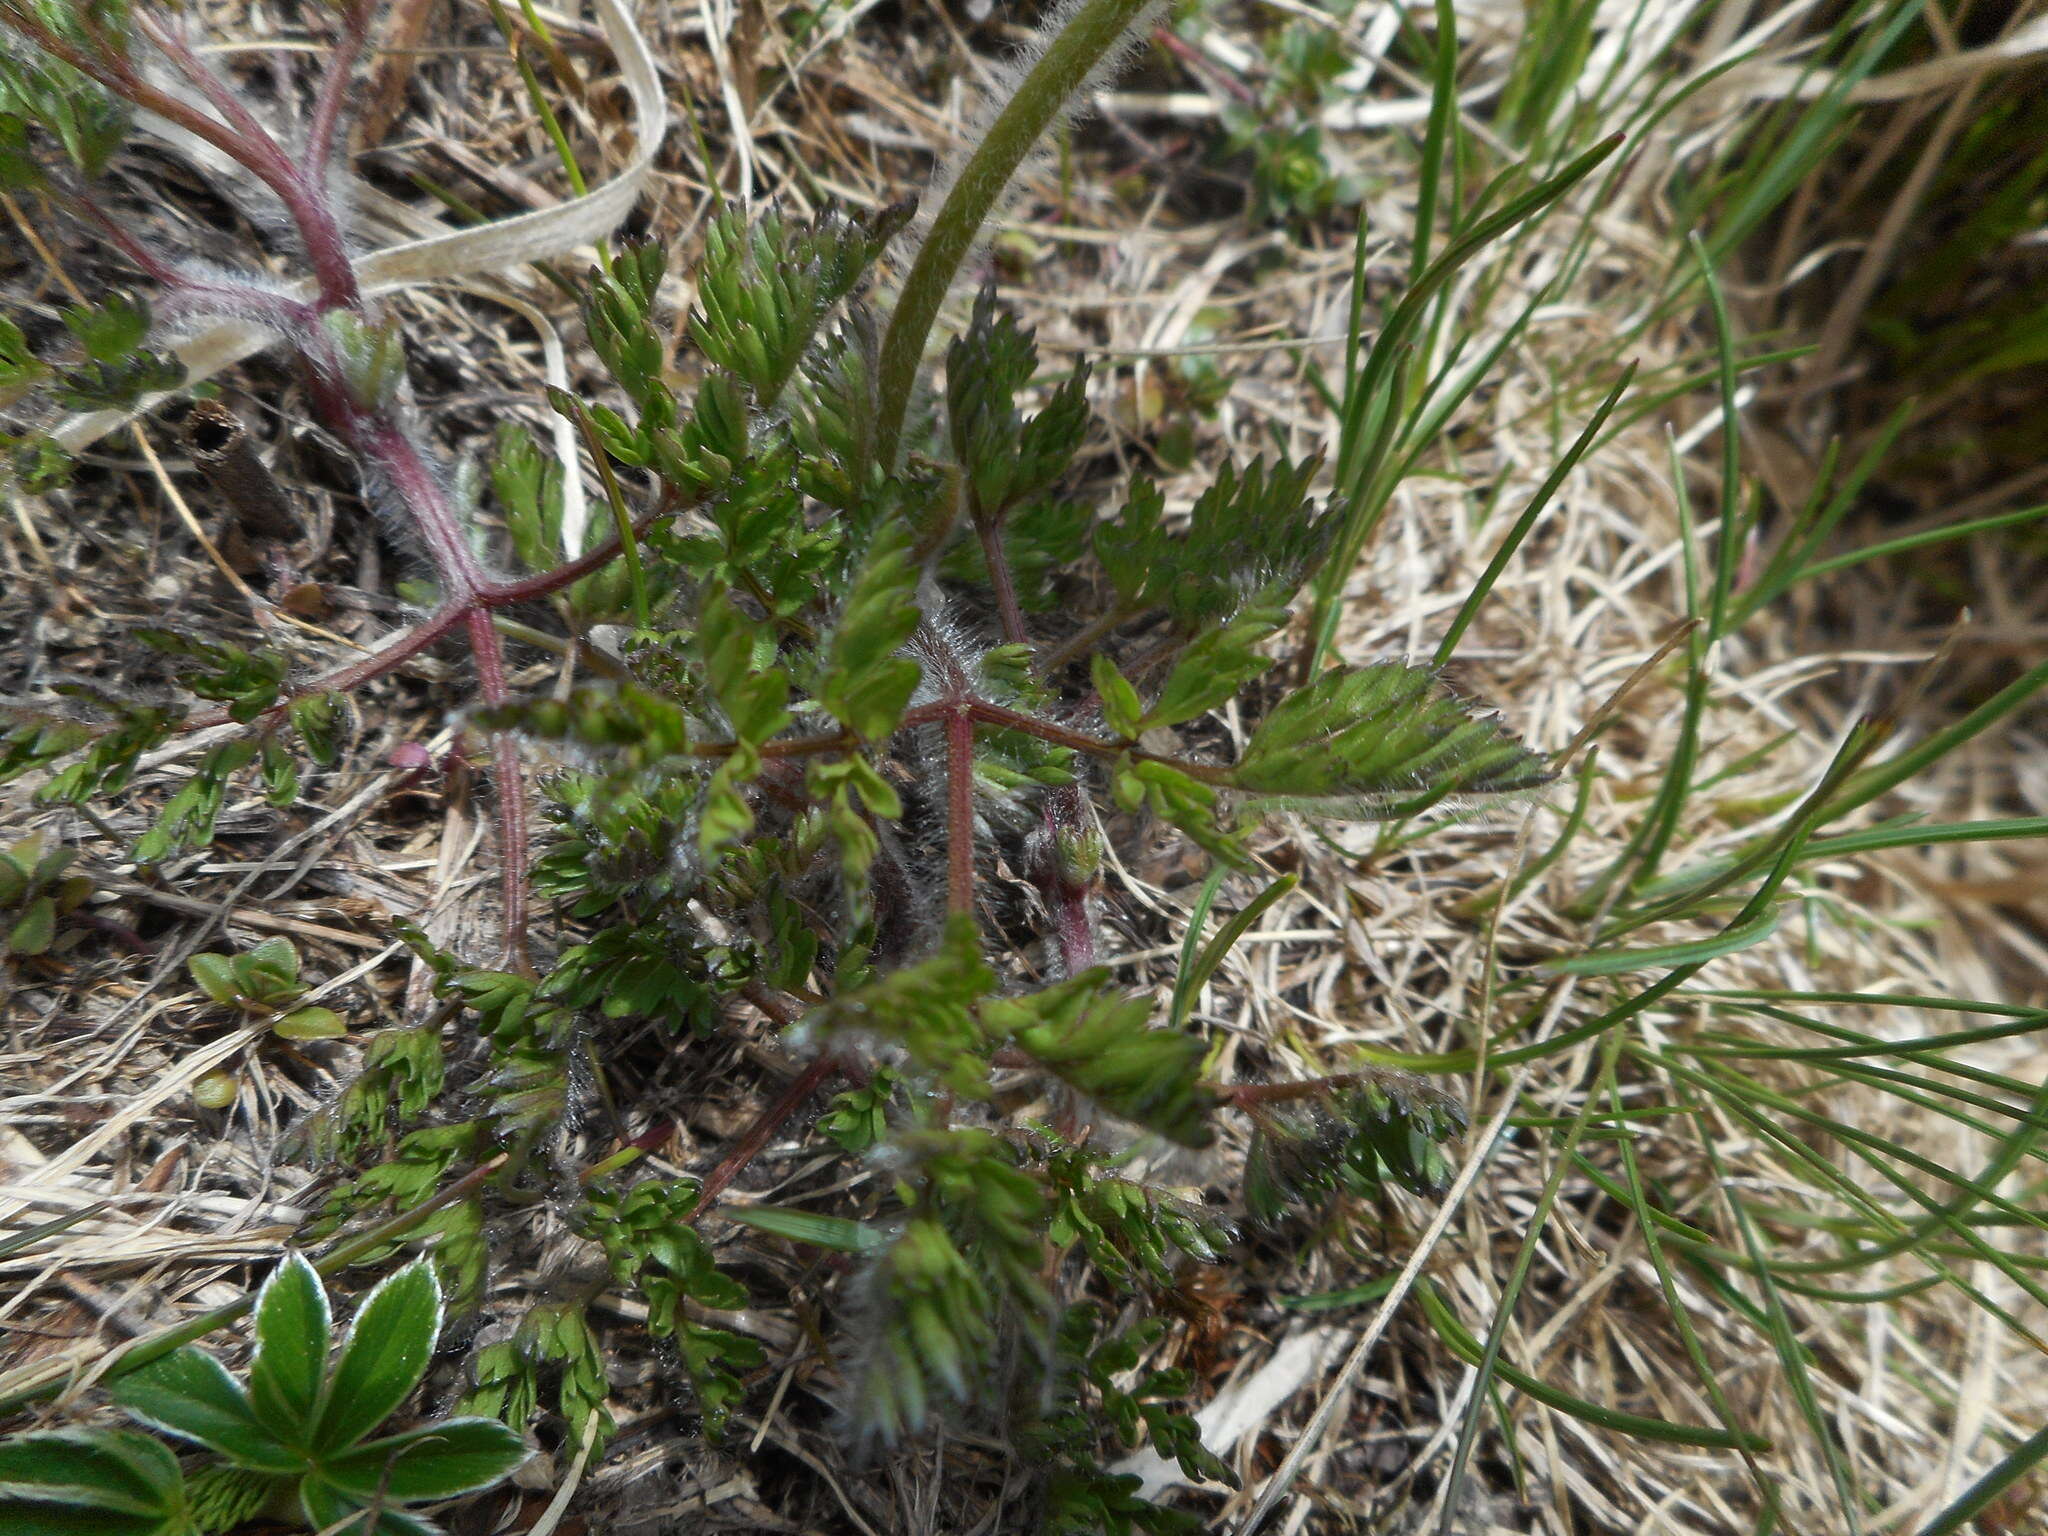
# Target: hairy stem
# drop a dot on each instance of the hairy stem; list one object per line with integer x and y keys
{"x": 1070, "y": 900}
{"x": 510, "y": 774}
{"x": 960, "y": 810}
{"x": 355, "y": 36}
{"x": 302, "y": 190}
{"x": 997, "y": 557}
{"x": 1089, "y": 37}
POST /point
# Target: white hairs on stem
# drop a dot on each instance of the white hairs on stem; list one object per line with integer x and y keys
{"x": 1006, "y": 76}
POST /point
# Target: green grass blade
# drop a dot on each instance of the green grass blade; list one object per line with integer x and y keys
{"x": 1489, "y": 1361}
{"x": 1188, "y": 985}
{"x": 1482, "y": 588}
{"x": 1614, "y": 962}
{"x": 1462, "y": 1344}
{"x": 1975, "y": 1499}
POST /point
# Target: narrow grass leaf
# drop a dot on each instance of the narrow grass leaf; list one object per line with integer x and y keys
{"x": 1462, "y": 1344}
{"x": 1188, "y": 985}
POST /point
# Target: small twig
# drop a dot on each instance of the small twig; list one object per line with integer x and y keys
{"x": 221, "y": 451}
{"x": 763, "y": 1130}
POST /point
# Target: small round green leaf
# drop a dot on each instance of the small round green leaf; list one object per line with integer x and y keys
{"x": 310, "y": 1024}
{"x": 216, "y": 977}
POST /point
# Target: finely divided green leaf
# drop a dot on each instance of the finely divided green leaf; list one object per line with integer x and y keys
{"x": 1100, "y": 1043}
{"x": 1381, "y": 741}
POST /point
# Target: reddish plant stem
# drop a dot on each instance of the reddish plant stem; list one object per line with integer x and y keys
{"x": 380, "y": 439}
{"x": 1250, "y": 1095}
{"x": 763, "y": 1130}
{"x": 1066, "y": 815}
{"x": 497, "y": 594}
{"x": 511, "y": 785}
{"x": 355, "y": 35}
{"x": 997, "y": 558}
{"x": 182, "y": 291}
{"x": 960, "y": 809}
{"x": 240, "y": 136}
{"x": 429, "y": 630}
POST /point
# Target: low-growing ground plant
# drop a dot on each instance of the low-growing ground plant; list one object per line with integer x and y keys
{"x": 872, "y": 649}
{"x": 879, "y": 679}
{"x": 297, "y": 1439}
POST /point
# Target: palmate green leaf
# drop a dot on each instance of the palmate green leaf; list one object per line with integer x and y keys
{"x": 327, "y": 1507}
{"x": 1100, "y": 1044}
{"x": 190, "y": 1394}
{"x": 293, "y": 1328}
{"x": 386, "y": 1354}
{"x": 96, "y": 1482}
{"x": 1377, "y": 742}
{"x": 434, "y": 1461}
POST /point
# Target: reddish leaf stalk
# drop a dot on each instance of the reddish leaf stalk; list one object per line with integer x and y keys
{"x": 1248, "y": 1096}
{"x": 998, "y": 561}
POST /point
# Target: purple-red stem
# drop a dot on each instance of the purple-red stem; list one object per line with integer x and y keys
{"x": 997, "y": 560}
{"x": 238, "y": 134}
{"x": 763, "y": 1130}
{"x": 1073, "y": 922}
{"x": 1250, "y": 1095}
{"x": 355, "y": 34}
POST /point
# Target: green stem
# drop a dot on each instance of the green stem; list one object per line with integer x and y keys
{"x": 1065, "y": 65}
